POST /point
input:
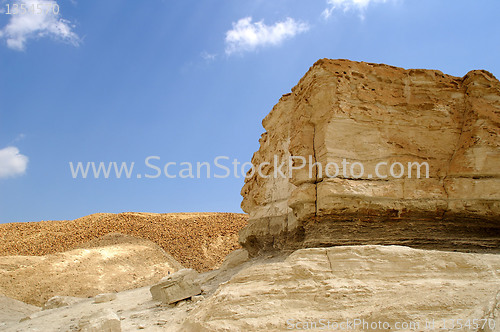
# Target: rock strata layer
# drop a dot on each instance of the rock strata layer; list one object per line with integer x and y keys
{"x": 356, "y": 285}
{"x": 343, "y": 112}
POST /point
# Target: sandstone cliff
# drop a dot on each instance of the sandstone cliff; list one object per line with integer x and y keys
{"x": 370, "y": 113}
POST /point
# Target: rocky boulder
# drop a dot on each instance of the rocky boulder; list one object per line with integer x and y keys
{"x": 177, "y": 287}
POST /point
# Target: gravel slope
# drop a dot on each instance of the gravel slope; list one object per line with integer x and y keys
{"x": 196, "y": 240}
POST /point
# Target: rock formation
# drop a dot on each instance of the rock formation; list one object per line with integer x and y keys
{"x": 355, "y": 112}
{"x": 176, "y": 287}
{"x": 389, "y": 284}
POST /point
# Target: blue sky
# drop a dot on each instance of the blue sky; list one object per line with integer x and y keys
{"x": 187, "y": 81}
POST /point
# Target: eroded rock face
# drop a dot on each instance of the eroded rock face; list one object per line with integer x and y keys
{"x": 344, "y": 111}
{"x": 389, "y": 284}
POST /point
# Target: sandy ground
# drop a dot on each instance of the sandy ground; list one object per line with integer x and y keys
{"x": 112, "y": 263}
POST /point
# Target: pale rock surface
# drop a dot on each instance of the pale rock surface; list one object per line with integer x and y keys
{"x": 234, "y": 259}
{"x": 106, "y": 297}
{"x": 135, "y": 308}
{"x": 197, "y": 298}
{"x": 177, "y": 287}
{"x": 60, "y": 301}
{"x": 12, "y": 311}
{"x": 234, "y": 262}
{"x": 371, "y": 113}
{"x": 104, "y": 321}
{"x": 375, "y": 283}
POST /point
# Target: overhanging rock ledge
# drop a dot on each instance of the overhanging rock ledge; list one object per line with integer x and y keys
{"x": 371, "y": 113}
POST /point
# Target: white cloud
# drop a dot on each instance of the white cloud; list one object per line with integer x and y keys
{"x": 12, "y": 163}
{"x": 247, "y": 36}
{"x": 22, "y": 27}
{"x": 346, "y": 5}
{"x": 209, "y": 57}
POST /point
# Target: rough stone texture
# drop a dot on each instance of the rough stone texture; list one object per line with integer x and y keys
{"x": 373, "y": 113}
{"x": 105, "y": 321}
{"x": 12, "y": 311}
{"x": 60, "y": 301}
{"x": 372, "y": 283}
{"x": 105, "y": 297}
{"x": 178, "y": 286}
{"x": 234, "y": 259}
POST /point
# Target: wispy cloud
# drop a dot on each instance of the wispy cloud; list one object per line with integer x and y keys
{"x": 18, "y": 138}
{"x": 209, "y": 57}
{"x": 346, "y": 5}
{"x": 248, "y": 36}
{"x": 36, "y": 23}
{"x": 12, "y": 163}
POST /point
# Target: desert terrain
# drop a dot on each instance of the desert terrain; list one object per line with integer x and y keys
{"x": 314, "y": 253}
